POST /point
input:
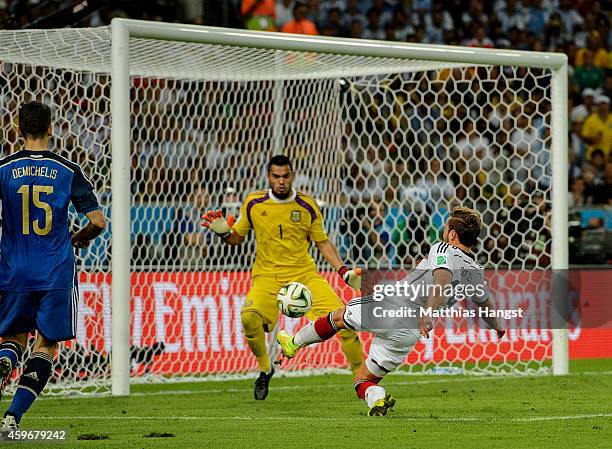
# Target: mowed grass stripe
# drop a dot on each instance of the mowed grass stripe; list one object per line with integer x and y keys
{"x": 321, "y": 418}
{"x": 388, "y": 383}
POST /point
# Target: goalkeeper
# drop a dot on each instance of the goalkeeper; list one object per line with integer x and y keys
{"x": 284, "y": 222}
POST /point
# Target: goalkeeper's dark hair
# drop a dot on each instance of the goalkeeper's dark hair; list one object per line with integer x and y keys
{"x": 466, "y": 223}
{"x": 34, "y": 120}
{"x": 280, "y": 160}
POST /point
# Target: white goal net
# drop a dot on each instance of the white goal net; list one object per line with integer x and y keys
{"x": 386, "y": 146}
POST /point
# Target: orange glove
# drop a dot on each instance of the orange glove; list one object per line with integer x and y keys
{"x": 216, "y": 222}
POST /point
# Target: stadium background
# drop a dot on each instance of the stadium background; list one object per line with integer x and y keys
{"x": 446, "y": 411}
{"x": 581, "y": 29}
{"x": 167, "y": 237}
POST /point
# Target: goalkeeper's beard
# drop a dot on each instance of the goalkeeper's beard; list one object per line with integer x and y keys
{"x": 282, "y": 195}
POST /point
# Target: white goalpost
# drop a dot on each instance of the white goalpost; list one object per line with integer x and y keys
{"x": 372, "y": 127}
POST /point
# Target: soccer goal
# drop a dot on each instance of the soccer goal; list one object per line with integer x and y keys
{"x": 170, "y": 119}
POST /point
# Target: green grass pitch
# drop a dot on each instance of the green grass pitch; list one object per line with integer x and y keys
{"x": 572, "y": 411}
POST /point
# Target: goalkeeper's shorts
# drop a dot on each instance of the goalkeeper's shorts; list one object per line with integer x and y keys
{"x": 261, "y": 298}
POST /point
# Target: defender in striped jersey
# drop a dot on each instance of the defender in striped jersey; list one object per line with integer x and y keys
{"x": 38, "y": 284}
{"x": 450, "y": 264}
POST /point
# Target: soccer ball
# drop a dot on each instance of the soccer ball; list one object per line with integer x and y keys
{"x": 294, "y": 299}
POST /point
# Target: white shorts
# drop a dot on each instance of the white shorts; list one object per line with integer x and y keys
{"x": 389, "y": 347}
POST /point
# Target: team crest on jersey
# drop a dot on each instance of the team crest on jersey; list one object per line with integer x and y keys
{"x": 296, "y": 216}
{"x": 440, "y": 260}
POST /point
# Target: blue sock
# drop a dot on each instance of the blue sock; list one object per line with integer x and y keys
{"x": 22, "y": 401}
{"x": 35, "y": 375}
{"x": 11, "y": 350}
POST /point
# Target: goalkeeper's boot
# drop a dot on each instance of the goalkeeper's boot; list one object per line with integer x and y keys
{"x": 8, "y": 424}
{"x": 382, "y": 406}
{"x": 6, "y": 372}
{"x": 261, "y": 385}
{"x": 285, "y": 340}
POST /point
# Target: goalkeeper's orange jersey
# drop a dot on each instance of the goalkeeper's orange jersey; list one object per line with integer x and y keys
{"x": 283, "y": 231}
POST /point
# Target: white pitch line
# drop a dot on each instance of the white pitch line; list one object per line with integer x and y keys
{"x": 553, "y": 418}
{"x": 592, "y": 373}
{"x": 317, "y": 418}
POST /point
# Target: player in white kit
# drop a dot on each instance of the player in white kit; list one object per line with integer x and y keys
{"x": 398, "y": 321}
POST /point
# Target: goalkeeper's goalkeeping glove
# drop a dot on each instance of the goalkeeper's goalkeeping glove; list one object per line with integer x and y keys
{"x": 351, "y": 277}
{"x": 216, "y": 222}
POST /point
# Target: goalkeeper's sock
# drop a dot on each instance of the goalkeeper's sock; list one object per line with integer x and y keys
{"x": 317, "y": 331}
{"x": 351, "y": 346}
{"x": 35, "y": 375}
{"x": 257, "y": 343}
{"x": 264, "y": 363}
{"x": 12, "y": 351}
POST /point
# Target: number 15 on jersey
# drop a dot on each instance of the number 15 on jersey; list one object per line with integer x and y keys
{"x": 34, "y": 192}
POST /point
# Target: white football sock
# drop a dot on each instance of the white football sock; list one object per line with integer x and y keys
{"x": 307, "y": 336}
{"x": 373, "y": 394}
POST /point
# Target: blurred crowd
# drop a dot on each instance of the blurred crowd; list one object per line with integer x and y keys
{"x": 579, "y": 28}
{"x": 483, "y": 161}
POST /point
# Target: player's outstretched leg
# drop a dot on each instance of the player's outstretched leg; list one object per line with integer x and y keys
{"x": 33, "y": 380}
{"x": 321, "y": 329}
{"x": 10, "y": 354}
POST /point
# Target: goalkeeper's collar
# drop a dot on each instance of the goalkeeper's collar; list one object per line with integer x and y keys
{"x": 289, "y": 199}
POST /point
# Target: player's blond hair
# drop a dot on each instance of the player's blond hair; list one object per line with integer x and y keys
{"x": 466, "y": 223}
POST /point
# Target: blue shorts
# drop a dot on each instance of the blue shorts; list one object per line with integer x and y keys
{"x": 53, "y": 313}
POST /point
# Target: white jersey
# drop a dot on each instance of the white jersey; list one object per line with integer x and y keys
{"x": 390, "y": 344}
{"x": 467, "y": 281}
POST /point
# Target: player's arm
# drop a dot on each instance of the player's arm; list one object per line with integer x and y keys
{"x": 235, "y": 238}
{"x": 84, "y": 199}
{"x": 330, "y": 253}
{"x": 441, "y": 265}
{"x": 442, "y": 277}
{"x": 484, "y": 302}
{"x": 97, "y": 224}
{"x": 482, "y": 299}
{"x": 491, "y": 321}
